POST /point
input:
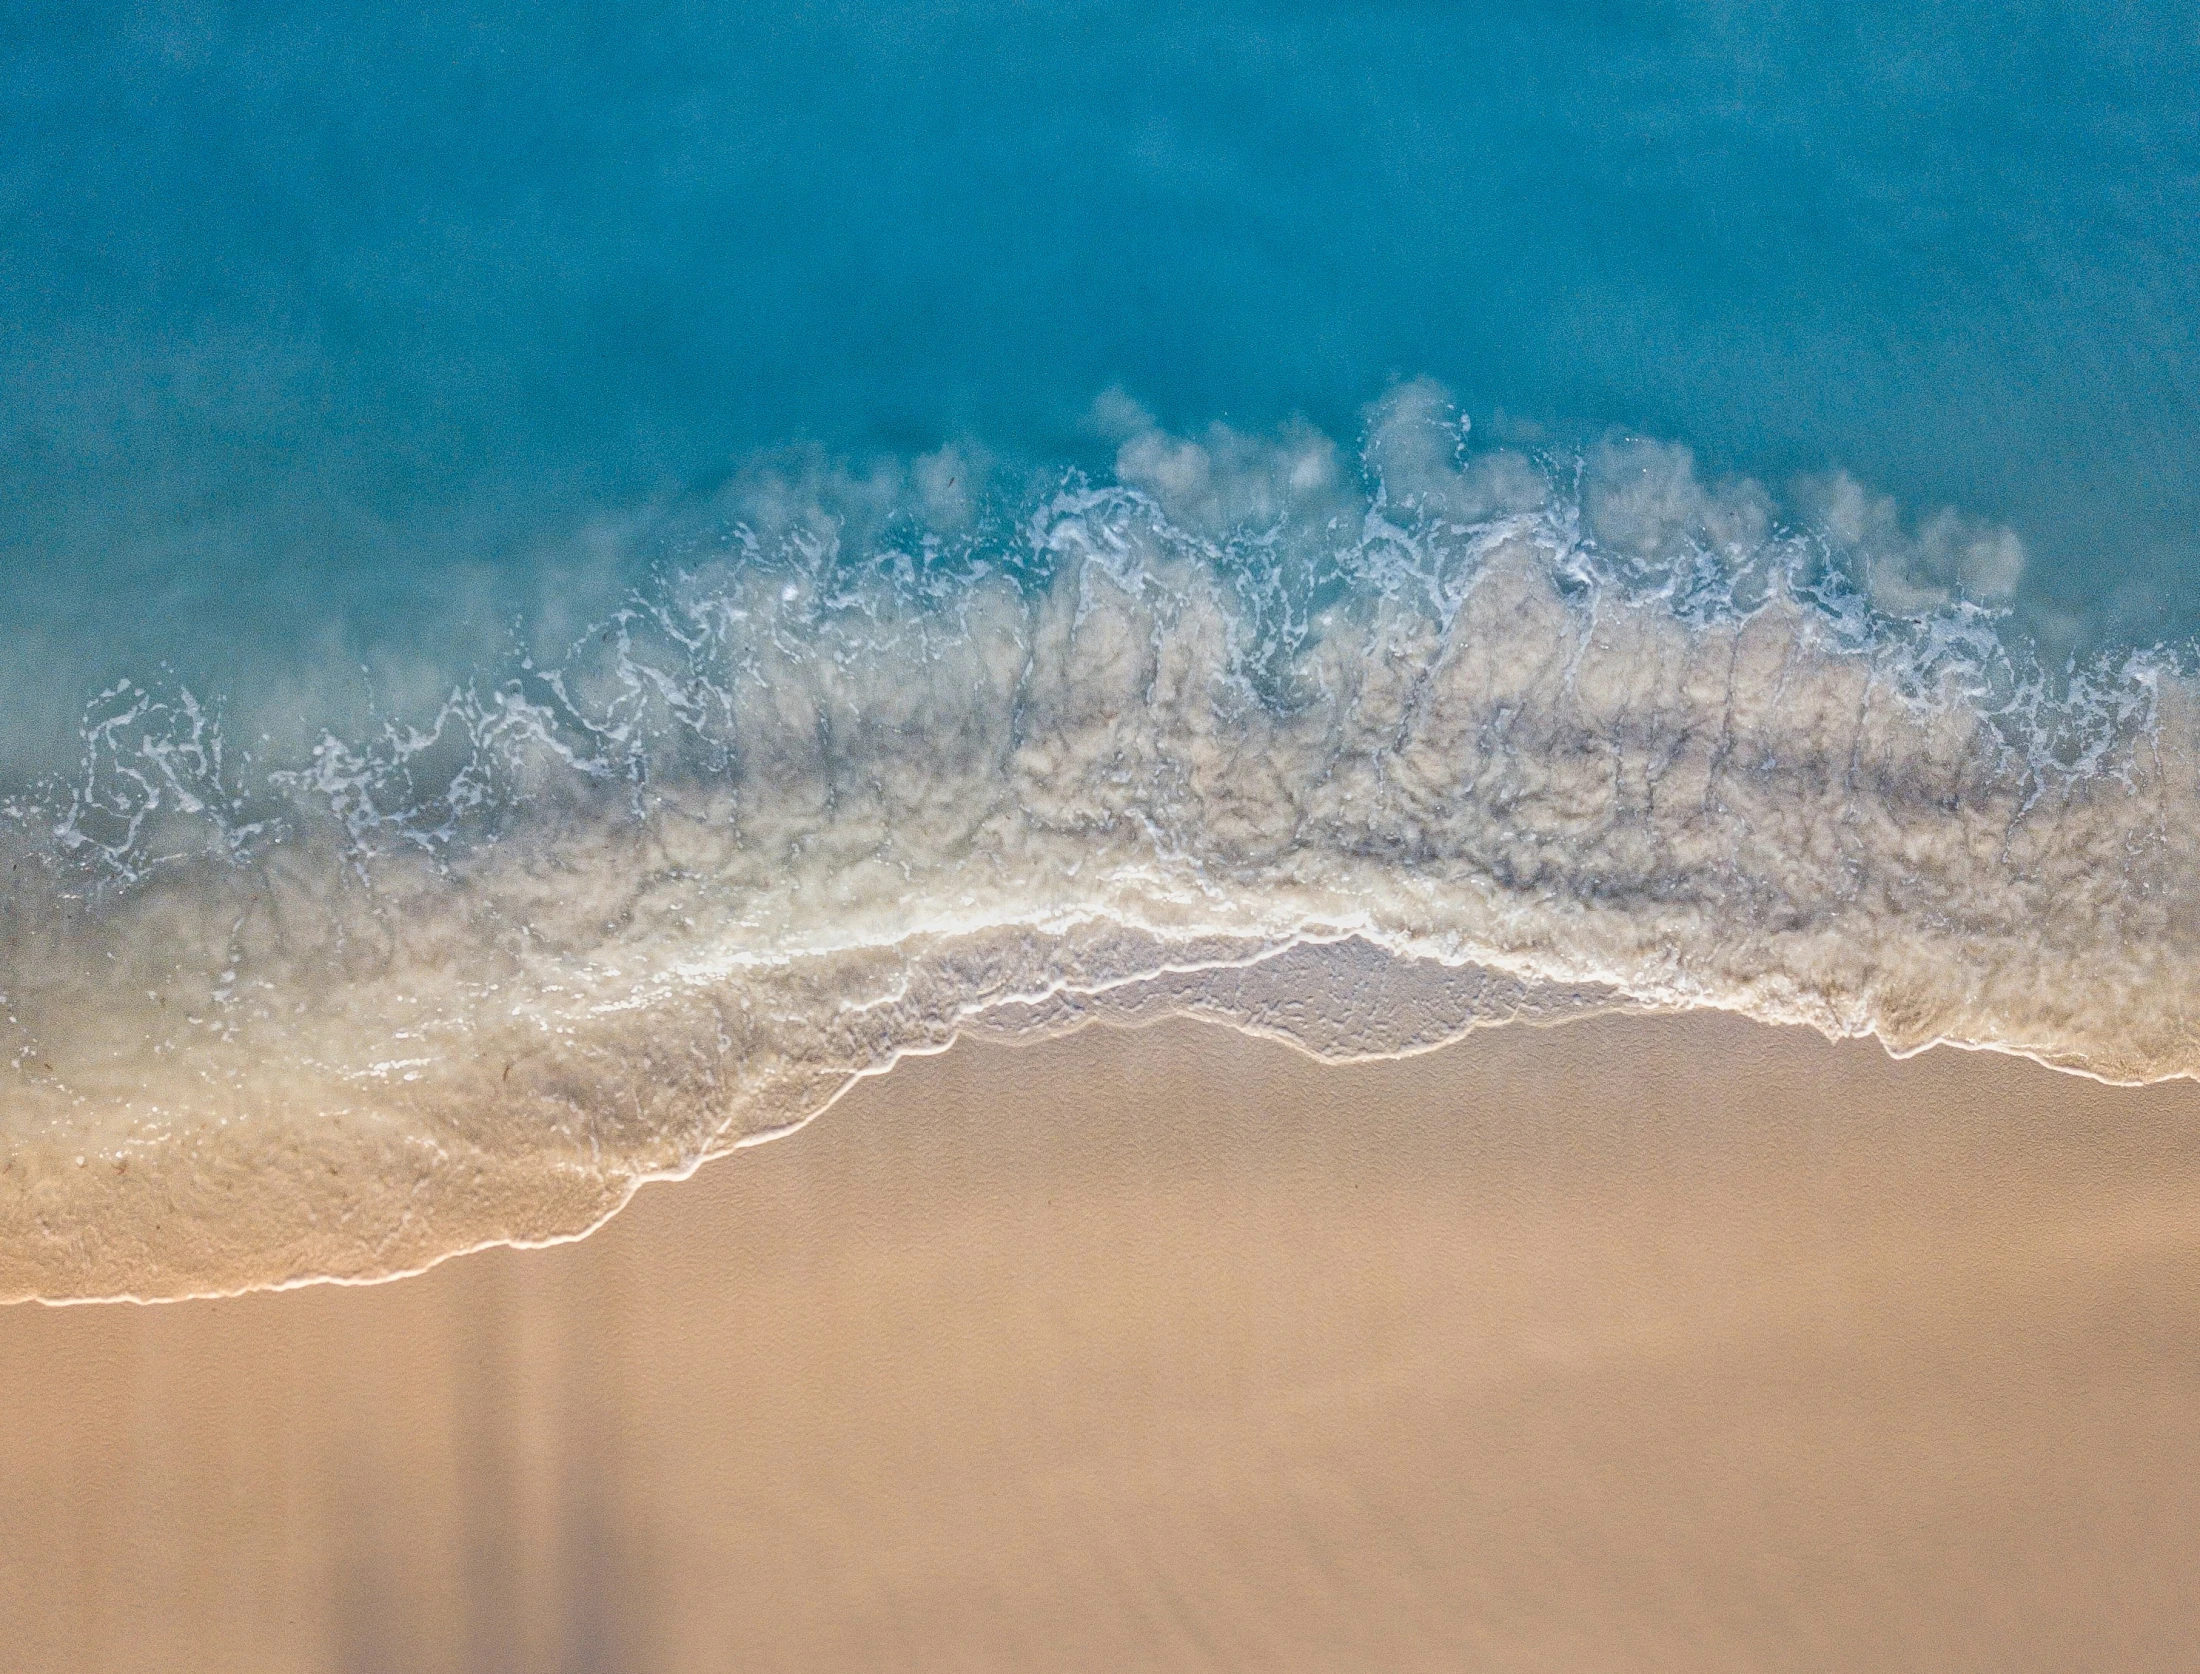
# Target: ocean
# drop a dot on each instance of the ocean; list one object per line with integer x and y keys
{"x": 577, "y": 578}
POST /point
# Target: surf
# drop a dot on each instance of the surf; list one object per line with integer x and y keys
{"x": 1254, "y": 726}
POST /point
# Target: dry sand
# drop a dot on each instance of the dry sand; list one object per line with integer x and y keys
{"x": 1636, "y": 1344}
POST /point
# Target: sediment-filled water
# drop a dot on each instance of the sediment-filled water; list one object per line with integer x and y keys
{"x": 571, "y": 588}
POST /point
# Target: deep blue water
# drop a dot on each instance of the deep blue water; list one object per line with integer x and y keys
{"x": 315, "y": 320}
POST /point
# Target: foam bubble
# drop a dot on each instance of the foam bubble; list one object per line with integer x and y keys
{"x": 1362, "y": 754}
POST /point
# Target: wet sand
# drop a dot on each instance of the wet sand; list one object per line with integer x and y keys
{"x": 1633, "y": 1344}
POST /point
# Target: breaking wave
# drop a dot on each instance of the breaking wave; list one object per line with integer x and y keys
{"x": 1361, "y": 751}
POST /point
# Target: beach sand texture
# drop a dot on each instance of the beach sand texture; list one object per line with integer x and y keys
{"x": 1635, "y": 1343}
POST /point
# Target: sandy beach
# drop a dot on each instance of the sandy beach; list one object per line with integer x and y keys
{"x": 1637, "y": 1343}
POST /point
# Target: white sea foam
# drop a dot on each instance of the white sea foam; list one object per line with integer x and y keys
{"x": 1363, "y": 752}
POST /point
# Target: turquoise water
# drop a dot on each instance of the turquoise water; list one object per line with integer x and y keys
{"x": 525, "y": 518}
{"x": 305, "y": 313}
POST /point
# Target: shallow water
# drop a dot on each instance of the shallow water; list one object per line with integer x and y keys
{"x": 312, "y": 321}
{"x": 571, "y": 584}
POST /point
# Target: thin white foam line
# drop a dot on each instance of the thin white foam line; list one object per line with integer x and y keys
{"x": 1331, "y": 932}
{"x": 787, "y": 1130}
{"x": 1623, "y": 1002}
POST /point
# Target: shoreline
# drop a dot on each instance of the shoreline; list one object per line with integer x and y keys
{"x": 983, "y": 1029}
{"x": 1640, "y": 1341}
